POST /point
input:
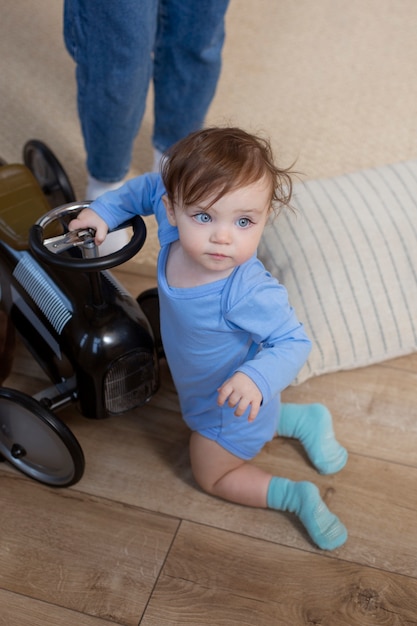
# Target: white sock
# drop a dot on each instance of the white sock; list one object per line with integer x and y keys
{"x": 96, "y": 188}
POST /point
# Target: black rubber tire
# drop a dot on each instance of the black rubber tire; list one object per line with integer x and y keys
{"x": 36, "y": 442}
{"x": 49, "y": 173}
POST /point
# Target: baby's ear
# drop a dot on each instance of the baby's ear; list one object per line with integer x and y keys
{"x": 170, "y": 210}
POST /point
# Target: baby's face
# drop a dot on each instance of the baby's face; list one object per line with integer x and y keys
{"x": 217, "y": 238}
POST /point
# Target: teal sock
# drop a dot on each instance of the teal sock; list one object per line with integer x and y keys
{"x": 303, "y": 499}
{"x": 312, "y": 425}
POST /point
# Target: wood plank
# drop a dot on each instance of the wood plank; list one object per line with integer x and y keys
{"x": 86, "y": 554}
{"x": 26, "y": 374}
{"x": 145, "y": 269}
{"x": 141, "y": 459}
{"x": 217, "y": 577}
{"x": 376, "y": 500}
{"x": 135, "y": 278}
{"x": 407, "y": 363}
{"x": 374, "y": 408}
{"x": 19, "y": 610}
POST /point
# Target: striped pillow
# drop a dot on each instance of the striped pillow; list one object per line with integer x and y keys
{"x": 348, "y": 259}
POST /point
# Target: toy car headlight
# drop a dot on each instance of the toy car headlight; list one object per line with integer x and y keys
{"x": 130, "y": 381}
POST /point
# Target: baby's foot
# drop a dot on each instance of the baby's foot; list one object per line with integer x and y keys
{"x": 303, "y": 499}
{"x": 312, "y": 425}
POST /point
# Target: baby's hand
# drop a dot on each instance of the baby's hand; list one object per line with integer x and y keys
{"x": 241, "y": 392}
{"x": 88, "y": 218}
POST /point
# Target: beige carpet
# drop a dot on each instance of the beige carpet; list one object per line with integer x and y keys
{"x": 332, "y": 82}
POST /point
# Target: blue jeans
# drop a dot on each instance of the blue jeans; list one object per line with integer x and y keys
{"x": 118, "y": 46}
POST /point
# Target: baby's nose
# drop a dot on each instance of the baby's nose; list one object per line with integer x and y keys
{"x": 221, "y": 235}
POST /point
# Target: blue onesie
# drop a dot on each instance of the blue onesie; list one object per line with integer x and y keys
{"x": 240, "y": 323}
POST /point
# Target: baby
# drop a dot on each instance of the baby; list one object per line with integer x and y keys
{"x": 230, "y": 336}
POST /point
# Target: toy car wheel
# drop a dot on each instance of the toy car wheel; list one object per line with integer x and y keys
{"x": 49, "y": 173}
{"x": 36, "y": 442}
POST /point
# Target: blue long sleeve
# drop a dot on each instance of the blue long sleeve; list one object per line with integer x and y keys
{"x": 281, "y": 345}
{"x": 139, "y": 196}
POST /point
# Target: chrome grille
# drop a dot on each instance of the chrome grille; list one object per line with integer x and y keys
{"x": 130, "y": 382}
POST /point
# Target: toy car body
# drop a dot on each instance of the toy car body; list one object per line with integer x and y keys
{"x": 85, "y": 330}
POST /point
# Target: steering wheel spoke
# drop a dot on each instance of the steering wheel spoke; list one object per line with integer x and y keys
{"x": 48, "y": 249}
{"x": 76, "y": 238}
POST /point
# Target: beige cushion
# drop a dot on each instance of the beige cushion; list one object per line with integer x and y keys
{"x": 348, "y": 259}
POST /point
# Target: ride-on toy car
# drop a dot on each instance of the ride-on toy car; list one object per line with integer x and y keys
{"x": 89, "y": 335}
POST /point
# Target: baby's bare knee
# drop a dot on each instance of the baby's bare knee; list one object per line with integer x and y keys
{"x": 210, "y": 463}
{"x": 204, "y": 482}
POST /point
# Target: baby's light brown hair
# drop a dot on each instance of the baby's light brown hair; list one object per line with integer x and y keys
{"x": 214, "y": 161}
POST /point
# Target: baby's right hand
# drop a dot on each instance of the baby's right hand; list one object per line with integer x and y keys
{"x": 88, "y": 218}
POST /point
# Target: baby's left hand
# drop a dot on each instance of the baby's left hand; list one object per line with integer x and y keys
{"x": 241, "y": 392}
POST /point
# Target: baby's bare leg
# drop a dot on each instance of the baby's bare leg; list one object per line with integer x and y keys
{"x": 226, "y": 476}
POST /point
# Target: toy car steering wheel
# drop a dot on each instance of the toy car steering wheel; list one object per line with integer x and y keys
{"x": 47, "y": 249}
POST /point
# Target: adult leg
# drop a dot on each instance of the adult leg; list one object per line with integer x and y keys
{"x": 187, "y": 65}
{"x": 226, "y": 476}
{"x": 111, "y": 42}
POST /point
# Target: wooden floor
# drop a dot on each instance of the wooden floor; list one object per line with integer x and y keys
{"x": 136, "y": 542}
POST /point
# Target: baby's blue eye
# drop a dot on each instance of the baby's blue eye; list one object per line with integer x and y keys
{"x": 202, "y": 218}
{"x": 243, "y": 222}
